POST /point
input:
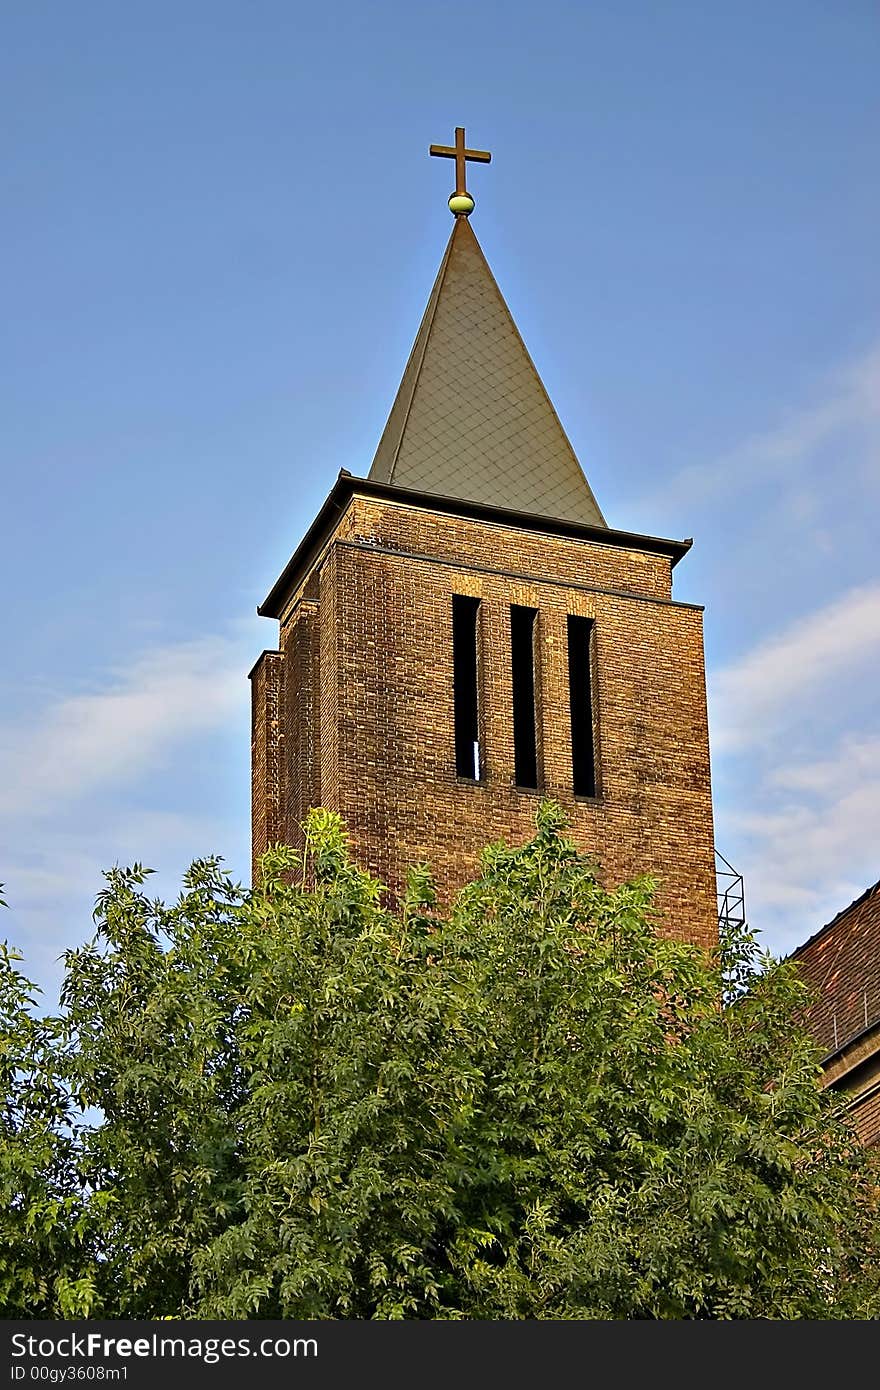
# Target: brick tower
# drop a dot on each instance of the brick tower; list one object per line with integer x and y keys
{"x": 462, "y": 635}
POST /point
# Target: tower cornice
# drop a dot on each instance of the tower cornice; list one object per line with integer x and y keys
{"x": 348, "y": 486}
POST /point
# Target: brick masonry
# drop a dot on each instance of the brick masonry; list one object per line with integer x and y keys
{"x": 356, "y": 711}
{"x": 267, "y": 749}
{"x": 841, "y": 965}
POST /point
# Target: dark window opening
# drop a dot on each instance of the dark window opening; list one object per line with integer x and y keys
{"x": 522, "y": 659}
{"x": 464, "y": 665}
{"x": 583, "y": 759}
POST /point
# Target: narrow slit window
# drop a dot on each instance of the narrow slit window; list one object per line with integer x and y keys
{"x": 522, "y": 660}
{"x": 583, "y": 757}
{"x": 464, "y": 662}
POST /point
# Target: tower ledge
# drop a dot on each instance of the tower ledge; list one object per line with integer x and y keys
{"x": 348, "y": 486}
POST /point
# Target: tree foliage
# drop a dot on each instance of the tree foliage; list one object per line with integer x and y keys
{"x": 294, "y": 1102}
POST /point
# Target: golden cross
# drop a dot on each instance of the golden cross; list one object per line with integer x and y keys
{"x": 460, "y": 155}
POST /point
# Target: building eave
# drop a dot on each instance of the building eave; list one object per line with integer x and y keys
{"x": 347, "y": 486}
{"x": 852, "y": 1053}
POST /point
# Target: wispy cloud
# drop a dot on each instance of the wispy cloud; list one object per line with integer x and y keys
{"x": 73, "y": 788}
{"x": 131, "y": 721}
{"x": 856, "y": 761}
{"x": 808, "y": 844}
{"x": 851, "y": 398}
{"x": 846, "y": 403}
{"x": 53, "y": 874}
{"x": 787, "y": 669}
{"x": 802, "y": 822}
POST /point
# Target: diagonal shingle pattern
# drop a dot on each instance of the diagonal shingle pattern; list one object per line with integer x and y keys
{"x": 472, "y": 418}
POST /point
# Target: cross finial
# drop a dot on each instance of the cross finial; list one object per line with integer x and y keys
{"x": 461, "y": 203}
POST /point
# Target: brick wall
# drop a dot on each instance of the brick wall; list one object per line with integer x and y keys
{"x": 383, "y": 727}
{"x": 841, "y": 965}
{"x": 301, "y": 781}
{"x": 268, "y": 823}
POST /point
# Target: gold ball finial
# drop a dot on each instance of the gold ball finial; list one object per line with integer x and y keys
{"x": 461, "y": 204}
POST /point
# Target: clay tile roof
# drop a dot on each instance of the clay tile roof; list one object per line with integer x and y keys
{"x": 472, "y": 418}
{"x": 841, "y": 964}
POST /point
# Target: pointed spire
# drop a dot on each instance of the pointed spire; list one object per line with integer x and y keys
{"x": 472, "y": 418}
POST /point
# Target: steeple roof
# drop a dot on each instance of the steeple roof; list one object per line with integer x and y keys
{"x": 471, "y": 418}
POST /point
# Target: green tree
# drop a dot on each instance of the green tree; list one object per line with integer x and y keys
{"x": 295, "y": 1102}
{"x": 44, "y": 1264}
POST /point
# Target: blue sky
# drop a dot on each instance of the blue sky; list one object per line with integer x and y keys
{"x": 220, "y": 227}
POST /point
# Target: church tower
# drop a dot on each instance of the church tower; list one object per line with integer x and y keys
{"x": 463, "y": 635}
